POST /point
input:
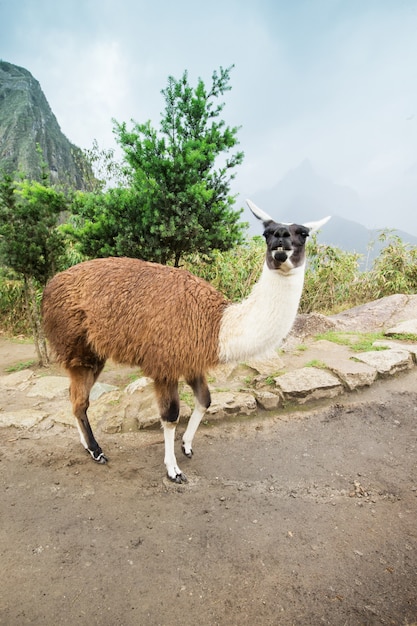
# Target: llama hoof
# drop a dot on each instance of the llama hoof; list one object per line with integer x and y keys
{"x": 179, "y": 479}
{"x": 98, "y": 456}
{"x": 188, "y": 453}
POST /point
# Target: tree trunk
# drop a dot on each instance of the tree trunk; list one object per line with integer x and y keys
{"x": 35, "y": 321}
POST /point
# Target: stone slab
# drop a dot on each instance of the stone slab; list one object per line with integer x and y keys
{"x": 352, "y": 373}
{"x": 308, "y": 383}
{"x": 23, "y": 418}
{"x": 16, "y": 380}
{"x": 49, "y": 387}
{"x": 387, "y": 362}
{"x": 408, "y": 327}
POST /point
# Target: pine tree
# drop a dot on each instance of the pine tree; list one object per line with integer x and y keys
{"x": 178, "y": 199}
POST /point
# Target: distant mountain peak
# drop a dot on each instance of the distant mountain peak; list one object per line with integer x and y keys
{"x": 306, "y": 195}
{"x": 26, "y": 122}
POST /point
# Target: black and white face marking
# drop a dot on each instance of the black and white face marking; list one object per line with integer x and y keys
{"x": 285, "y": 245}
{"x": 285, "y": 242}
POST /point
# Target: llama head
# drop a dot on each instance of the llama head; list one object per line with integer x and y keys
{"x": 285, "y": 242}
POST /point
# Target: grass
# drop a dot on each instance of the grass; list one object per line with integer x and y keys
{"x": 270, "y": 380}
{"x": 362, "y": 342}
{"x": 316, "y": 363}
{"x": 18, "y": 367}
{"x": 186, "y": 396}
{"x": 403, "y": 337}
{"x": 302, "y": 347}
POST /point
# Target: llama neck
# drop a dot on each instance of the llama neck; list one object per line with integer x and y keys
{"x": 255, "y": 327}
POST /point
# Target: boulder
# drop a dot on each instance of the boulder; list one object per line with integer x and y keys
{"x": 409, "y": 327}
{"x": 267, "y": 400}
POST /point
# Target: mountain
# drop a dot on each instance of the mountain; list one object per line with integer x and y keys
{"x": 304, "y": 196}
{"x": 26, "y": 121}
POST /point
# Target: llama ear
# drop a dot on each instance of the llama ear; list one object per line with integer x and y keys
{"x": 314, "y": 226}
{"x": 261, "y": 215}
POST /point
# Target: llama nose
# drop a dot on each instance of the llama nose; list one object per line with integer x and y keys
{"x": 280, "y": 255}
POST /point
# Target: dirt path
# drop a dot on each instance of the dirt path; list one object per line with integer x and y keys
{"x": 305, "y": 519}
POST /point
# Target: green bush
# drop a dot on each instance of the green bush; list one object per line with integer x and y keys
{"x": 13, "y": 318}
{"x": 233, "y": 272}
{"x": 393, "y": 271}
{"x": 329, "y": 278}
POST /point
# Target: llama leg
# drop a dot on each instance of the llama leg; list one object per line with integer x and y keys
{"x": 169, "y": 405}
{"x": 202, "y": 403}
{"x": 81, "y": 381}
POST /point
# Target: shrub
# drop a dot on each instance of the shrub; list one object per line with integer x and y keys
{"x": 233, "y": 272}
{"x": 13, "y": 317}
{"x": 329, "y": 278}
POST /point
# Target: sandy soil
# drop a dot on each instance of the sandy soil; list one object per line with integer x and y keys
{"x": 302, "y": 518}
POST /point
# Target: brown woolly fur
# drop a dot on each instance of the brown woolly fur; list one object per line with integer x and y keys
{"x": 163, "y": 319}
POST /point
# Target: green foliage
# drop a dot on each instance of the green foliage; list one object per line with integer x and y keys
{"x": 23, "y": 365}
{"x": 233, "y": 272}
{"x": 329, "y": 277}
{"x": 107, "y": 224}
{"x": 180, "y": 177}
{"x": 316, "y": 363}
{"x": 103, "y": 169}
{"x": 358, "y": 342}
{"x": 13, "y": 318}
{"x": 334, "y": 283}
{"x": 394, "y": 270}
{"x": 30, "y": 242}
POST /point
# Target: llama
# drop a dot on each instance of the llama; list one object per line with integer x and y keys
{"x": 171, "y": 324}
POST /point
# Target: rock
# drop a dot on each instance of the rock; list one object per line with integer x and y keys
{"x": 387, "y": 362}
{"x": 232, "y": 375}
{"x": 112, "y": 424}
{"x": 353, "y": 374}
{"x": 337, "y": 359}
{"x": 409, "y": 327}
{"x": 185, "y": 411}
{"x": 62, "y": 413}
{"x": 127, "y": 411}
{"x": 23, "y": 418}
{"x": 99, "y": 389}
{"x": 267, "y": 368}
{"x": 411, "y": 348}
{"x": 378, "y": 314}
{"x": 49, "y": 387}
{"x": 267, "y": 400}
{"x": 138, "y": 384}
{"x": 131, "y": 411}
{"x": 16, "y": 380}
{"x": 308, "y": 383}
{"x": 308, "y": 325}
{"x": 226, "y": 403}
{"x": 107, "y": 404}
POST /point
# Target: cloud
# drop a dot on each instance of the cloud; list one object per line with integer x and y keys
{"x": 330, "y": 80}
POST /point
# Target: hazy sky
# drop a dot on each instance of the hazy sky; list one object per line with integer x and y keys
{"x": 334, "y": 81}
